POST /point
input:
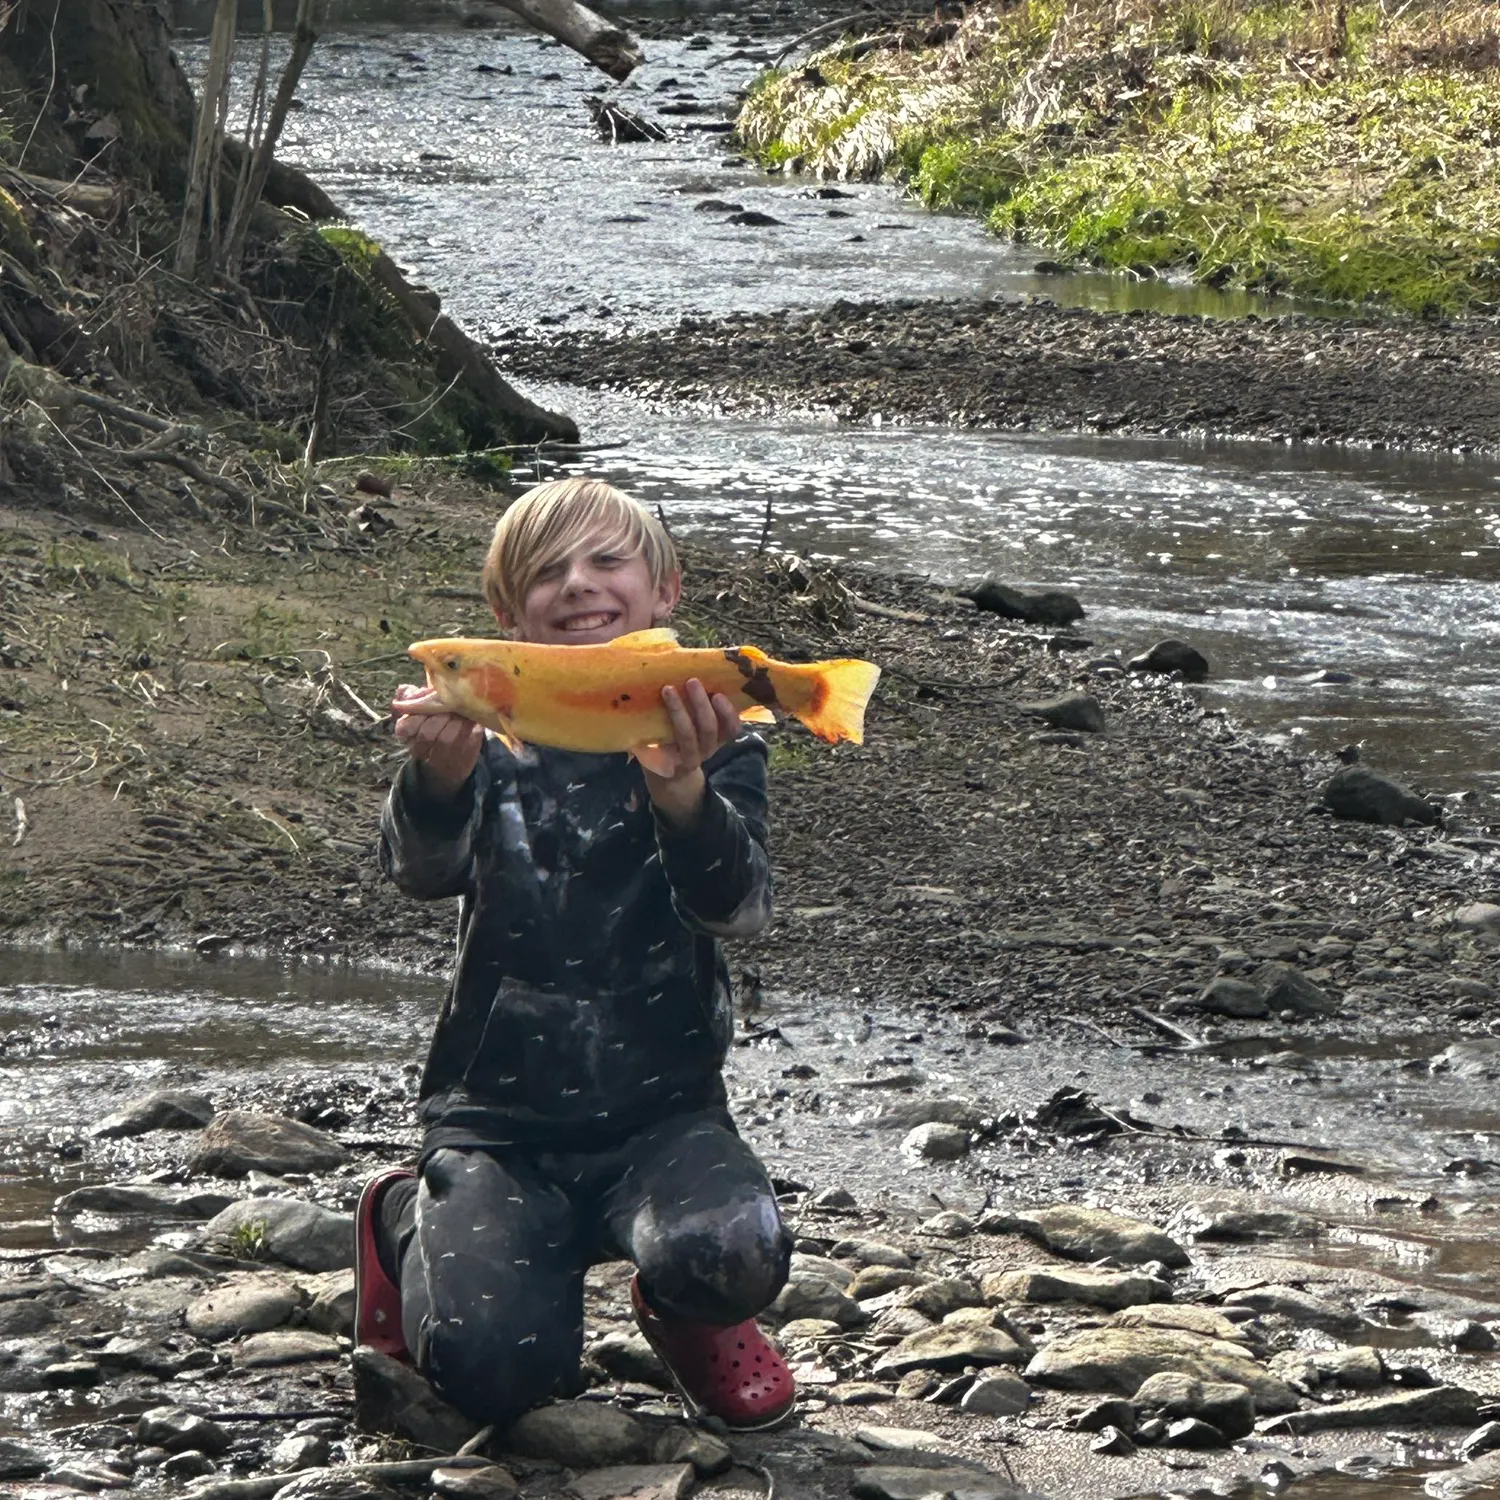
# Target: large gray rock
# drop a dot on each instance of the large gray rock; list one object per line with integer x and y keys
{"x": 392, "y": 1397}
{"x": 1364, "y": 796}
{"x": 1298, "y": 1306}
{"x": 299, "y": 1234}
{"x": 1070, "y": 711}
{"x": 1088, "y": 1234}
{"x": 1438, "y": 1406}
{"x": 862, "y": 1253}
{"x": 1285, "y": 987}
{"x": 240, "y": 1141}
{"x": 1481, "y": 1474}
{"x": 165, "y": 1109}
{"x": 1119, "y": 1360}
{"x": 1110, "y": 1290}
{"x": 251, "y": 1305}
{"x": 950, "y": 1347}
{"x": 1224, "y": 1404}
{"x": 143, "y": 1199}
{"x": 580, "y": 1435}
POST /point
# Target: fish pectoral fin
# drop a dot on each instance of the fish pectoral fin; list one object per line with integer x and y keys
{"x": 758, "y": 713}
{"x": 660, "y": 760}
{"x": 656, "y": 639}
{"x": 511, "y": 743}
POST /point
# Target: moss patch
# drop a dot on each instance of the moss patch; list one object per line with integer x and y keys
{"x": 1330, "y": 152}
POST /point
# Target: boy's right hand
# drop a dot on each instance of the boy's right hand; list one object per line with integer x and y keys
{"x": 445, "y": 745}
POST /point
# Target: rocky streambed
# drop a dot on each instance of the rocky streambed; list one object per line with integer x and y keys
{"x": 1064, "y": 1348}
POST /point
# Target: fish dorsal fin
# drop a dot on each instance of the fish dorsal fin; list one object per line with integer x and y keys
{"x": 657, "y": 639}
{"x": 752, "y": 653}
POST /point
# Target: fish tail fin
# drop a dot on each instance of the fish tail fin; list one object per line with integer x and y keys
{"x": 841, "y": 691}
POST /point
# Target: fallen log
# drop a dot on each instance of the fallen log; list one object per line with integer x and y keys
{"x": 602, "y": 42}
{"x": 459, "y": 357}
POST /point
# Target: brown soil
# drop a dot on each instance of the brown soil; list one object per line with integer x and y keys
{"x": 195, "y": 727}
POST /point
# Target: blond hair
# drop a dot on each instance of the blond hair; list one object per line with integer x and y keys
{"x": 546, "y": 522}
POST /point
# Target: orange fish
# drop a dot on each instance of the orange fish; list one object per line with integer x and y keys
{"x": 608, "y": 698}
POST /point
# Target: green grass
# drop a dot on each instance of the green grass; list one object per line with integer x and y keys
{"x": 1261, "y": 146}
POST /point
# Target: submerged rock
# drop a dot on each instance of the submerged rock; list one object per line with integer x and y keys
{"x": 143, "y": 1199}
{"x": 1298, "y": 1306}
{"x": 1482, "y": 1474}
{"x": 1364, "y": 796}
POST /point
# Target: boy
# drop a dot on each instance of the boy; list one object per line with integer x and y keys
{"x": 573, "y": 1102}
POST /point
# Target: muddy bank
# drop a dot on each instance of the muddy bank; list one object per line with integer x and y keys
{"x": 1034, "y": 366}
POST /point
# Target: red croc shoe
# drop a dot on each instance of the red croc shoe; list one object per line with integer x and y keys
{"x": 377, "y": 1299}
{"x": 732, "y": 1373}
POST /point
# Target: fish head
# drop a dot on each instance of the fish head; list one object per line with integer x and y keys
{"x": 470, "y": 677}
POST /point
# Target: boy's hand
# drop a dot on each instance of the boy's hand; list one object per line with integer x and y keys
{"x": 445, "y": 745}
{"x": 674, "y": 773}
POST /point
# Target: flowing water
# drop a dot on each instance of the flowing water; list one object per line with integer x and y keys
{"x": 471, "y": 156}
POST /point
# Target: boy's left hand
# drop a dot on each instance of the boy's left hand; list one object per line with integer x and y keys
{"x": 674, "y": 772}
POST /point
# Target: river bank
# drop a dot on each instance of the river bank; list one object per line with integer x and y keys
{"x": 1343, "y": 153}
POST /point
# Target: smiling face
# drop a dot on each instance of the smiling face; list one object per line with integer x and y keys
{"x": 596, "y": 590}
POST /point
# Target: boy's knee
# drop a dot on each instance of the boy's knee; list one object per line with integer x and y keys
{"x": 719, "y": 1272}
{"x": 493, "y": 1375}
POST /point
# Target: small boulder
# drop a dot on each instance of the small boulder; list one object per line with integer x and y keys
{"x": 1166, "y": 657}
{"x": 1044, "y": 607}
{"x": 950, "y": 1348}
{"x": 165, "y": 1109}
{"x": 1224, "y": 996}
{"x": 936, "y": 1142}
{"x": 862, "y": 1253}
{"x": 1229, "y": 1407}
{"x": 1089, "y": 1234}
{"x": 1193, "y": 1432}
{"x": 332, "y": 1307}
{"x": 996, "y": 1395}
{"x": 627, "y": 1356}
{"x": 1298, "y": 1307}
{"x": 176, "y": 1429}
{"x": 1070, "y": 711}
{"x": 17, "y": 1461}
{"x": 1209, "y": 1221}
{"x": 876, "y": 1281}
{"x": 1478, "y": 916}
{"x": 1110, "y": 1290}
{"x": 487, "y": 1482}
{"x": 1437, "y": 1406}
{"x": 942, "y": 1296}
{"x": 1283, "y": 986}
{"x": 232, "y": 1308}
{"x": 1480, "y": 1476}
{"x": 240, "y": 1141}
{"x": 635, "y": 1482}
{"x": 815, "y": 1297}
{"x": 284, "y": 1346}
{"x": 304, "y": 1235}
{"x": 1364, "y": 796}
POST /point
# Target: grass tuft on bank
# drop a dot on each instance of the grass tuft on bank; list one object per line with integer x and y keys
{"x": 1342, "y": 151}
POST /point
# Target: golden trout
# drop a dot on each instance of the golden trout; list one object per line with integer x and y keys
{"x": 607, "y": 698}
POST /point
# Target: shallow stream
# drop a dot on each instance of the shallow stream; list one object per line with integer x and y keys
{"x": 471, "y": 156}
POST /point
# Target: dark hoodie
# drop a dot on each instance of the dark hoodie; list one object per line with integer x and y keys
{"x": 589, "y": 997}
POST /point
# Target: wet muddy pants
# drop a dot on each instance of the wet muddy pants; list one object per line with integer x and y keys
{"x": 492, "y": 1244}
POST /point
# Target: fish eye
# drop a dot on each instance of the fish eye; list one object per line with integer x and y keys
{"x": 451, "y": 664}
